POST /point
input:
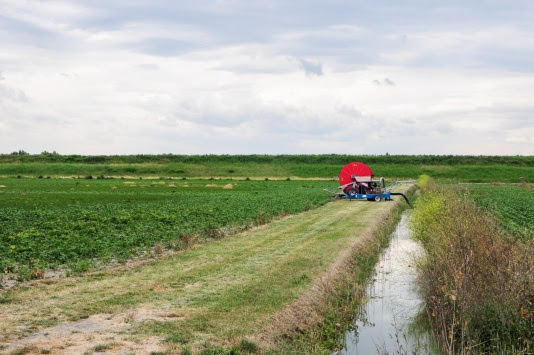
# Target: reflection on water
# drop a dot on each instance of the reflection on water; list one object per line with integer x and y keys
{"x": 384, "y": 323}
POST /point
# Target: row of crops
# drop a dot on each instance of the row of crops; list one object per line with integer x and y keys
{"x": 49, "y": 222}
{"x": 513, "y": 205}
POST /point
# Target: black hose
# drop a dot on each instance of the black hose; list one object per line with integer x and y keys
{"x": 403, "y": 195}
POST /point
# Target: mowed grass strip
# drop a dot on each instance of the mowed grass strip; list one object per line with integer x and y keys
{"x": 219, "y": 292}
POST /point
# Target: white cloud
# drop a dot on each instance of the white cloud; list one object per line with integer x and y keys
{"x": 11, "y": 94}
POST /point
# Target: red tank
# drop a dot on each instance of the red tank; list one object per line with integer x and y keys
{"x": 355, "y": 172}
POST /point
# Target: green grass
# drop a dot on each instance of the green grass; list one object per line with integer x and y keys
{"x": 49, "y": 222}
{"x": 464, "y": 173}
{"x": 443, "y": 168}
{"x": 513, "y": 204}
{"x": 224, "y": 290}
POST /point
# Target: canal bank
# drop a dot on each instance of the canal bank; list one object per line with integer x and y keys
{"x": 385, "y": 322}
{"x": 345, "y": 296}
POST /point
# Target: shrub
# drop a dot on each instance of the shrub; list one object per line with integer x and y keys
{"x": 425, "y": 182}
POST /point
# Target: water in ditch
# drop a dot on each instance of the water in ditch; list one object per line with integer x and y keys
{"x": 385, "y": 324}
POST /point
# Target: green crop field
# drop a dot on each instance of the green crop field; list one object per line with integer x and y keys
{"x": 513, "y": 204}
{"x": 49, "y": 222}
{"x": 441, "y": 168}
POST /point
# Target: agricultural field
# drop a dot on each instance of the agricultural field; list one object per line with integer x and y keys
{"x": 232, "y": 295}
{"x": 45, "y": 223}
{"x": 513, "y": 205}
{"x": 441, "y": 168}
{"x": 79, "y": 213}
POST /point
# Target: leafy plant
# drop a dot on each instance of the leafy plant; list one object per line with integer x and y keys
{"x": 47, "y": 223}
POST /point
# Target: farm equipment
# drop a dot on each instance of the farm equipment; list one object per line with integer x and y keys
{"x": 357, "y": 182}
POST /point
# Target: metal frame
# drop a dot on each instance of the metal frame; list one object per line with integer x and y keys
{"x": 385, "y": 193}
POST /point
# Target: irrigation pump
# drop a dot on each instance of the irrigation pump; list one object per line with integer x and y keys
{"x": 357, "y": 182}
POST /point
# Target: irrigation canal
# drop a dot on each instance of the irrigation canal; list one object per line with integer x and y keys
{"x": 385, "y": 324}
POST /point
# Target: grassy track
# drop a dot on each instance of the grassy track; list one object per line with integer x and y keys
{"x": 220, "y": 292}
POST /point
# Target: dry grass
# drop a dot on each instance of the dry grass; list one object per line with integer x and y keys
{"x": 190, "y": 240}
{"x": 478, "y": 285}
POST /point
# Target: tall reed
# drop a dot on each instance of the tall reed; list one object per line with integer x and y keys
{"x": 477, "y": 283}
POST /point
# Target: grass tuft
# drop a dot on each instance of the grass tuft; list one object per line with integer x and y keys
{"x": 102, "y": 347}
{"x": 248, "y": 347}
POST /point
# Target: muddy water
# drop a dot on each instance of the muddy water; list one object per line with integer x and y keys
{"x": 385, "y": 324}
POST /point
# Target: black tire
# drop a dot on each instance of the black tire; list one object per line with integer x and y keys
{"x": 352, "y": 191}
{"x": 378, "y": 198}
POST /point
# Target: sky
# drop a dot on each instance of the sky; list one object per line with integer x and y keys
{"x": 267, "y": 77}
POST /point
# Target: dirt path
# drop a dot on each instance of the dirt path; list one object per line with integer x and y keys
{"x": 220, "y": 293}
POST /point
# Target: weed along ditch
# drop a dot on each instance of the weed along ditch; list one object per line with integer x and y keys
{"x": 386, "y": 322}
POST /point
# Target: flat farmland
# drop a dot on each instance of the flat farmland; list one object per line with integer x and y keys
{"x": 512, "y": 204}
{"x": 442, "y": 168}
{"x": 209, "y": 254}
{"x": 81, "y": 223}
{"x": 244, "y": 289}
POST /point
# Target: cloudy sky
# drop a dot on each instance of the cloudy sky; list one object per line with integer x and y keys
{"x": 246, "y": 76}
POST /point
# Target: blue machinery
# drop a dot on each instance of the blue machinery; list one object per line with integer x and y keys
{"x": 357, "y": 182}
{"x": 376, "y": 197}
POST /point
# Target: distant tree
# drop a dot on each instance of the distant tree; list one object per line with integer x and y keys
{"x": 46, "y": 153}
{"x": 20, "y": 152}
